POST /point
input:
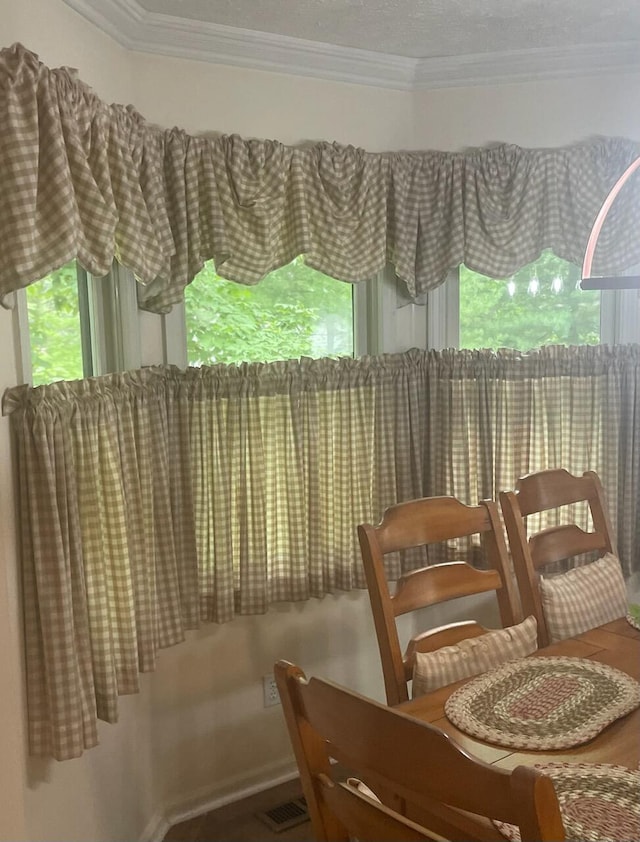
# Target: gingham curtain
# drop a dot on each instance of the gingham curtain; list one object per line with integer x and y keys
{"x": 80, "y": 178}
{"x": 154, "y": 500}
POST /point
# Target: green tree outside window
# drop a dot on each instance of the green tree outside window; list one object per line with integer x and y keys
{"x": 54, "y": 326}
{"x": 295, "y": 311}
{"x": 541, "y": 304}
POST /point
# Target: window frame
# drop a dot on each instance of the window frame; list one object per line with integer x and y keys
{"x": 109, "y": 324}
{"x": 368, "y": 309}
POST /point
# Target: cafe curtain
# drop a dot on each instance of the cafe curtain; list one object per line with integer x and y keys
{"x": 158, "y": 499}
{"x": 83, "y": 179}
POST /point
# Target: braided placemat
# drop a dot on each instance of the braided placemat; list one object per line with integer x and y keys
{"x": 598, "y": 802}
{"x": 633, "y": 615}
{"x": 543, "y": 703}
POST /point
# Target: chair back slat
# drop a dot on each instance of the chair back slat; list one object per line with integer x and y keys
{"x": 417, "y": 523}
{"x": 551, "y": 489}
{"x": 538, "y": 492}
{"x": 404, "y": 526}
{"x": 442, "y": 582}
{"x": 558, "y": 543}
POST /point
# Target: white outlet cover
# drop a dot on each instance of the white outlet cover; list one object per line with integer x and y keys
{"x": 270, "y": 691}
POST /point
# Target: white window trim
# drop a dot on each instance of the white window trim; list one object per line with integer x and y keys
{"x": 365, "y": 316}
{"x": 393, "y": 322}
{"x": 174, "y": 336}
{"x": 620, "y": 316}
{"x": 21, "y": 331}
{"x": 443, "y": 314}
{"x": 115, "y": 314}
{"x": 373, "y": 300}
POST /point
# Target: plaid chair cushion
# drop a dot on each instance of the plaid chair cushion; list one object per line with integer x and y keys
{"x": 473, "y": 656}
{"x": 583, "y": 598}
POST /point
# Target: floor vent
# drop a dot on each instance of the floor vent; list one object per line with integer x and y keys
{"x": 286, "y": 815}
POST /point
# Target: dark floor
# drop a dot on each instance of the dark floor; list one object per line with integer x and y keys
{"x": 237, "y": 823}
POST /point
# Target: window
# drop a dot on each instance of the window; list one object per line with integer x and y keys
{"x": 541, "y": 304}
{"x": 295, "y": 311}
{"x": 73, "y": 325}
{"x": 54, "y": 306}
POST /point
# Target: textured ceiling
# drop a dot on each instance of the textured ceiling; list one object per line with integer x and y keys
{"x": 400, "y": 44}
{"x": 423, "y": 28}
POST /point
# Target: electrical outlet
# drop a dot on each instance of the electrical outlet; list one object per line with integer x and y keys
{"x": 270, "y": 691}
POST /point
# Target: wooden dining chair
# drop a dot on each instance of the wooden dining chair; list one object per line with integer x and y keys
{"x": 429, "y": 787}
{"x": 553, "y": 489}
{"x": 417, "y": 523}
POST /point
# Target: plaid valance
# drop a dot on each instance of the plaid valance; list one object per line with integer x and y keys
{"x": 81, "y": 178}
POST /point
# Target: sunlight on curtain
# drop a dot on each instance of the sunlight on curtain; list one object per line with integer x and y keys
{"x": 154, "y": 500}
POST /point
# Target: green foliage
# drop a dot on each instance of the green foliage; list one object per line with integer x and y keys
{"x": 54, "y": 327}
{"x": 492, "y": 317}
{"x": 295, "y": 311}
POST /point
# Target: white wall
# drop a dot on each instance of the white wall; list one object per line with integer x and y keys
{"x": 60, "y": 37}
{"x": 109, "y": 793}
{"x": 531, "y": 114}
{"x": 201, "y": 97}
{"x": 198, "y": 733}
{"x": 12, "y": 765}
{"x": 177, "y": 742}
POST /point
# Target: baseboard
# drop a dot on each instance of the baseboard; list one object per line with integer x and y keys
{"x": 208, "y": 798}
{"x": 156, "y": 829}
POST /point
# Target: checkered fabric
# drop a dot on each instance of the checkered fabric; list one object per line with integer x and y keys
{"x": 583, "y": 598}
{"x": 473, "y": 656}
{"x": 80, "y": 178}
{"x": 157, "y": 499}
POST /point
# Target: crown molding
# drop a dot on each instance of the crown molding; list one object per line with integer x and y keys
{"x": 136, "y": 29}
{"x": 527, "y": 65}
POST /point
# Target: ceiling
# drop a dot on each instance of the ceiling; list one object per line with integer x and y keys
{"x": 404, "y": 44}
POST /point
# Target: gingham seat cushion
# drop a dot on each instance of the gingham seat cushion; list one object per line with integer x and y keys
{"x": 474, "y": 656}
{"x": 583, "y": 598}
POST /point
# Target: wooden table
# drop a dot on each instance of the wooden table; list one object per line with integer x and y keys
{"x": 616, "y": 644}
